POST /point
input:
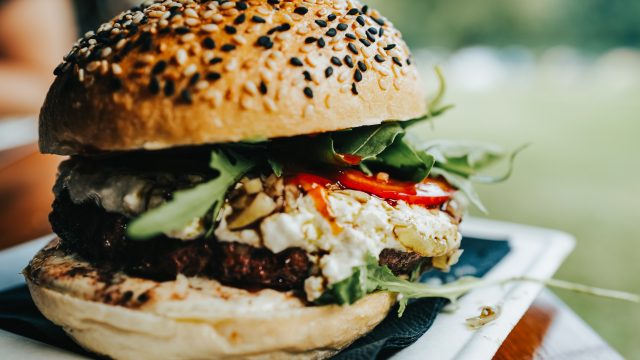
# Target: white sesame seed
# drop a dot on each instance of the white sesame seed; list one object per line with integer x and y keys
{"x": 213, "y": 5}
{"x": 396, "y": 84}
{"x": 339, "y": 46}
{"x": 121, "y": 43}
{"x": 405, "y": 70}
{"x": 283, "y": 36}
{"x": 383, "y": 83}
{"x": 239, "y": 39}
{"x": 190, "y": 70}
{"x": 361, "y": 32}
{"x": 106, "y": 52}
{"x": 217, "y": 18}
{"x": 202, "y": 84}
{"x": 343, "y": 76}
{"x": 163, "y": 23}
{"x": 312, "y": 61}
{"x": 192, "y": 21}
{"x": 104, "y": 67}
{"x": 251, "y": 88}
{"x": 166, "y": 15}
{"x": 322, "y": 12}
{"x": 270, "y": 104}
{"x": 89, "y": 34}
{"x": 287, "y": 18}
{"x": 271, "y": 64}
{"x": 308, "y": 111}
{"x": 92, "y": 66}
{"x": 263, "y": 11}
{"x": 208, "y": 14}
{"x": 266, "y": 76}
{"x": 207, "y": 56}
{"x": 155, "y": 14}
{"x": 307, "y": 48}
{"x": 327, "y": 101}
{"x": 93, "y": 41}
{"x": 188, "y": 37}
{"x": 246, "y": 103}
{"x": 231, "y": 65}
{"x": 81, "y": 75}
{"x": 181, "y": 56}
{"x": 116, "y": 69}
{"x": 228, "y": 5}
{"x": 189, "y": 12}
{"x": 209, "y": 28}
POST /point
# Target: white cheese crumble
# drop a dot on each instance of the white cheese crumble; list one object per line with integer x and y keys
{"x": 367, "y": 225}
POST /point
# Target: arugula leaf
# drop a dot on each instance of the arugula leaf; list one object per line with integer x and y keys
{"x": 189, "y": 204}
{"x": 373, "y": 277}
{"x": 467, "y": 159}
{"x": 366, "y": 142}
{"x": 462, "y": 184}
{"x": 276, "y": 165}
{"x": 403, "y": 161}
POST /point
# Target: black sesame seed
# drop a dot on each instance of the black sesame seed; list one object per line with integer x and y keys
{"x": 230, "y": 29}
{"x": 357, "y": 76}
{"x": 397, "y": 61}
{"x": 372, "y": 30}
{"x": 265, "y": 42}
{"x": 194, "y": 79}
{"x": 371, "y": 37}
{"x": 228, "y": 47}
{"x": 164, "y": 30}
{"x": 240, "y": 19}
{"x": 354, "y": 89}
{"x": 350, "y": 36}
{"x": 321, "y": 43}
{"x": 381, "y": 31}
{"x": 342, "y": 27}
{"x": 307, "y": 75}
{"x": 332, "y": 32}
{"x": 390, "y": 47}
{"x": 335, "y": 61}
{"x": 284, "y": 27}
{"x": 310, "y": 39}
{"x": 215, "y": 60}
{"x": 258, "y": 19}
{"x": 379, "y": 58}
{"x": 273, "y": 2}
{"x": 154, "y": 85}
{"x": 332, "y": 17}
{"x": 353, "y": 11}
{"x": 182, "y": 30}
{"x": 169, "y": 88}
{"x": 213, "y": 76}
{"x": 353, "y": 48}
{"x": 328, "y": 72}
{"x": 241, "y": 5}
{"x": 308, "y": 92}
{"x": 362, "y": 66}
{"x": 408, "y": 61}
{"x": 365, "y": 9}
{"x": 159, "y": 67}
{"x": 378, "y": 21}
{"x": 360, "y": 20}
{"x": 365, "y": 42}
{"x": 348, "y": 61}
{"x": 321, "y": 23}
{"x": 301, "y": 10}
{"x": 263, "y": 88}
{"x": 209, "y": 43}
{"x": 186, "y": 96}
{"x": 295, "y": 61}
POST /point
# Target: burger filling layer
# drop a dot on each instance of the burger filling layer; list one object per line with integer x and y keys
{"x": 272, "y": 232}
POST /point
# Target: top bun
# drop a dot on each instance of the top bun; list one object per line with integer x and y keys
{"x": 176, "y": 73}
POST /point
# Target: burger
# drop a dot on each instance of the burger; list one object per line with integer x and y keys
{"x": 242, "y": 181}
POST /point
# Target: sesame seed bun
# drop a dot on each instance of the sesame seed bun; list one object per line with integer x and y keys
{"x": 200, "y": 72}
{"x": 125, "y": 317}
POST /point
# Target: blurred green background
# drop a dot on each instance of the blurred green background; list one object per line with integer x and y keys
{"x": 564, "y": 75}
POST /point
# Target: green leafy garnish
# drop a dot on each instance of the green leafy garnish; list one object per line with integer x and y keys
{"x": 189, "y": 204}
{"x": 373, "y": 277}
{"x": 366, "y": 142}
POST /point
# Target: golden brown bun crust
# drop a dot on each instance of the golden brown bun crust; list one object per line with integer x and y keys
{"x": 190, "y": 318}
{"x": 203, "y": 73}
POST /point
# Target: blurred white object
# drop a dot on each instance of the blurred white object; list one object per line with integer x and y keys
{"x": 18, "y": 132}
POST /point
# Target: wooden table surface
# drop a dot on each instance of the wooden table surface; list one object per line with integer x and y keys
{"x": 549, "y": 329}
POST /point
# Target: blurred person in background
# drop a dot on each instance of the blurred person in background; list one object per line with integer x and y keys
{"x": 34, "y": 36}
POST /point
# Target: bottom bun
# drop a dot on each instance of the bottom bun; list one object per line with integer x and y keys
{"x": 124, "y": 317}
